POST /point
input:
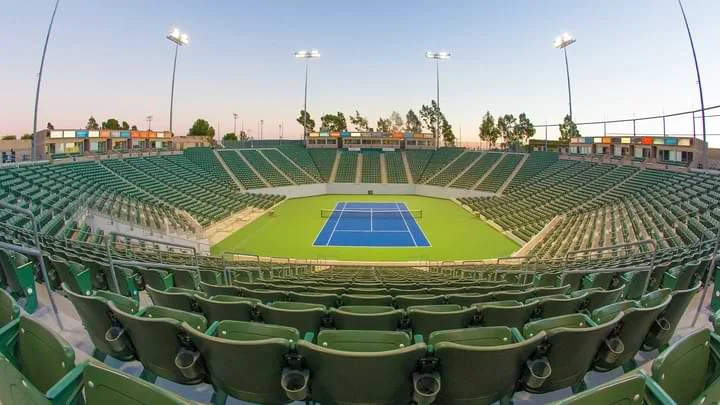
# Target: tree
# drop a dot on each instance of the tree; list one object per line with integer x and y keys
{"x": 26, "y": 136}
{"x": 568, "y": 130}
{"x": 50, "y": 126}
{"x": 360, "y": 122}
{"x": 429, "y": 115}
{"x": 384, "y": 124}
{"x": 488, "y": 131}
{"x": 111, "y": 123}
{"x": 305, "y": 119}
{"x": 524, "y": 129}
{"x": 230, "y": 136}
{"x": 243, "y": 136}
{"x": 505, "y": 125}
{"x": 92, "y": 123}
{"x": 412, "y": 122}
{"x": 125, "y": 125}
{"x": 201, "y": 128}
{"x": 396, "y": 121}
{"x": 447, "y": 132}
{"x": 9, "y": 138}
{"x": 336, "y": 122}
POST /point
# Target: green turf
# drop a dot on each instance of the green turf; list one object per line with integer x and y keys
{"x": 452, "y": 231}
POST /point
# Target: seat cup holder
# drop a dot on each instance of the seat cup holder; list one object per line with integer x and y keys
{"x": 295, "y": 383}
{"x": 425, "y": 388}
{"x": 117, "y": 339}
{"x": 537, "y": 372}
{"x": 663, "y": 327}
{"x": 188, "y": 362}
{"x": 614, "y": 347}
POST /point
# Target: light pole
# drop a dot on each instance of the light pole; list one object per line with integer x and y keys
{"x": 702, "y": 100}
{"x": 149, "y": 119}
{"x": 438, "y": 56}
{"x": 235, "y": 117}
{"x": 262, "y": 125}
{"x": 562, "y": 42}
{"x": 33, "y": 154}
{"x": 179, "y": 40}
{"x": 314, "y": 54}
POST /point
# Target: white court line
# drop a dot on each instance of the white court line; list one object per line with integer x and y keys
{"x": 365, "y": 230}
{"x": 406, "y": 224}
{"x": 420, "y": 229}
{"x": 336, "y": 223}
{"x": 371, "y": 220}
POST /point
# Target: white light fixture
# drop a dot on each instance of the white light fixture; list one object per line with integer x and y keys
{"x": 563, "y": 41}
{"x": 303, "y": 54}
{"x": 437, "y": 55}
{"x": 178, "y": 37}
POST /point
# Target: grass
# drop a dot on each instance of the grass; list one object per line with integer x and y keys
{"x": 453, "y": 233}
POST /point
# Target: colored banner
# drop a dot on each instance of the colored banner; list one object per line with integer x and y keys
{"x": 345, "y": 134}
{"x": 335, "y": 134}
{"x": 124, "y": 134}
{"x": 56, "y": 134}
{"x": 93, "y": 134}
{"x": 135, "y": 134}
{"x": 81, "y": 134}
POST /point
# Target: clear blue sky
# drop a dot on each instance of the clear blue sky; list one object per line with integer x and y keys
{"x": 109, "y": 58}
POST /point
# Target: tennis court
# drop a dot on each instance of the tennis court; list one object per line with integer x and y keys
{"x": 364, "y": 224}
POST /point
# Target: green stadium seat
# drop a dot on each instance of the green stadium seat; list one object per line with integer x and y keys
{"x": 327, "y": 300}
{"x": 552, "y": 368}
{"x": 301, "y": 316}
{"x": 366, "y": 317}
{"x": 187, "y": 279}
{"x": 598, "y": 297}
{"x": 630, "y": 388}
{"x": 215, "y": 289}
{"x": 226, "y": 307}
{"x": 74, "y": 275}
{"x": 688, "y": 370}
{"x": 9, "y": 310}
{"x": 258, "y": 356}
{"x": 636, "y": 323}
{"x": 33, "y": 359}
{"x": 552, "y": 306}
{"x": 95, "y": 316}
{"x": 20, "y": 276}
{"x": 664, "y": 328}
{"x": 460, "y": 351}
{"x": 367, "y": 299}
{"x": 513, "y": 314}
{"x": 468, "y": 299}
{"x": 381, "y": 366}
{"x": 154, "y": 333}
{"x": 176, "y": 298}
{"x": 404, "y": 301}
{"x": 264, "y": 295}
{"x": 158, "y": 279}
{"x": 425, "y": 319}
{"x": 682, "y": 277}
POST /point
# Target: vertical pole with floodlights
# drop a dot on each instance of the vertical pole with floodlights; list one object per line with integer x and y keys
{"x": 33, "y": 154}
{"x": 562, "y": 42}
{"x": 437, "y": 56}
{"x": 179, "y": 39}
{"x": 307, "y": 56}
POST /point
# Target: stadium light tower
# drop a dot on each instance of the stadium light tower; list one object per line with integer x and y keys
{"x": 562, "y": 42}
{"x": 33, "y": 154}
{"x": 437, "y": 56}
{"x": 179, "y": 39}
{"x": 235, "y": 117}
{"x": 699, "y": 83}
{"x": 307, "y": 56}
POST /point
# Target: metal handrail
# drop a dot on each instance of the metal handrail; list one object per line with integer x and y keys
{"x": 37, "y": 253}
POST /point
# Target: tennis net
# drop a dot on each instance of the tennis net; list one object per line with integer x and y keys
{"x": 375, "y": 213}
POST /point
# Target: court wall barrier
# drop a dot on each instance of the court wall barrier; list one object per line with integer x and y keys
{"x": 308, "y": 190}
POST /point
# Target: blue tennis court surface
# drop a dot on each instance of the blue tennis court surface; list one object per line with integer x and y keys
{"x": 371, "y": 225}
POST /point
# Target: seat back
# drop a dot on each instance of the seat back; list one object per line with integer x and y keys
{"x": 95, "y": 316}
{"x": 460, "y": 351}
{"x": 682, "y": 369}
{"x": 258, "y": 355}
{"x": 662, "y": 331}
{"x": 264, "y": 295}
{"x": 564, "y": 332}
{"x": 154, "y": 333}
{"x": 626, "y": 389}
{"x": 468, "y": 299}
{"x": 157, "y": 279}
{"x": 550, "y": 307}
{"x": 425, "y": 320}
{"x": 356, "y": 299}
{"x": 214, "y": 289}
{"x": 375, "y": 318}
{"x": 14, "y": 266}
{"x": 187, "y": 279}
{"x": 327, "y": 300}
{"x": 173, "y": 297}
{"x": 379, "y": 374}
{"x": 634, "y": 327}
{"x": 226, "y": 308}
{"x": 404, "y": 301}
{"x": 307, "y": 319}
{"x": 512, "y": 314}
{"x": 9, "y": 310}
